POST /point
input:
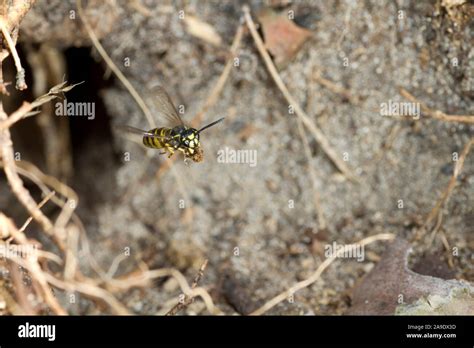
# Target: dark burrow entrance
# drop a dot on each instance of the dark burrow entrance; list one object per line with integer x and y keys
{"x": 87, "y": 139}
{"x": 93, "y": 154}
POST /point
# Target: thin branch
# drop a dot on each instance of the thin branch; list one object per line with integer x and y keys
{"x": 188, "y": 300}
{"x": 314, "y": 177}
{"x": 317, "y": 133}
{"x": 317, "y": 274}
{"x": 16, "y": 183}
{"x": 437, "y": 114}
{"x": 26, "y": 109}
{"x": 452, "y": 183}
{"x": 40, "y": 205}
{"x": 145, "y": 277}
{"x": 9, "y": 165}
{"x": 219, "y": 86}
{"x": 20, "y": 74}
{"x": 6, "y": 149}
{"x": 45, "y": 279}
{"x": 335, "y": 88}
{"x": 113, "y": 67}
{"x": 31, "y": 264}
{"x": 94, "y": 291}
{"x": 387, "y": 144}
{"x": 37, "y": 176}
{"x": 40, "y": 179}
{"x": 114, "y": 266}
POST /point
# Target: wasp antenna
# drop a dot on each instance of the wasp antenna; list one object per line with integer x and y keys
{"x": 211, "y": 124}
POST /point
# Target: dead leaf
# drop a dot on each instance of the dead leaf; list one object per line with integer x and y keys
{"x": 283, "y": 38}
{"x": 202, "y": 30}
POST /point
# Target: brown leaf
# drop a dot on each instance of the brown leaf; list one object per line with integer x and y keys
{"x": 283, "y": 38}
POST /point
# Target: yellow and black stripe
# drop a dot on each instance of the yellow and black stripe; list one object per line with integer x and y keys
{"x": 163, "y": 135}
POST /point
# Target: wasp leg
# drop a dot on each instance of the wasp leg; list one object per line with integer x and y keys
{"x": 162, "y": 153}
{"x": 170, "y": 149}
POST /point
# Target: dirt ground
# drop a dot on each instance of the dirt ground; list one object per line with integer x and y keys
{"x": 262, "y": 228}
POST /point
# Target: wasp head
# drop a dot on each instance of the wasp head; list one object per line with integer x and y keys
{"x": 190, "y": 143}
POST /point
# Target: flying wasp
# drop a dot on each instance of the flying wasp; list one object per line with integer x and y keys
{"x": 177, "y": 137}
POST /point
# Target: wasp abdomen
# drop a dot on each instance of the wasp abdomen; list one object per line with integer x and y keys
{"x": 159, "y": 141}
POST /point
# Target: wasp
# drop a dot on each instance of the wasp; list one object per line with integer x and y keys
{"x": 177, "y": 137}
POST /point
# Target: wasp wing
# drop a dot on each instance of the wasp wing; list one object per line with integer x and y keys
{"x": 162, "y": 104}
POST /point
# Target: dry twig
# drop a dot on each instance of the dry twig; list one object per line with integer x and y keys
{"x": 219, "y": 86}
{"x": 14, "y": 180}
{"x": 40, "y": 205}
{"x": 316, "y": 275}
{"x": 31, "y": 264}
{"x": 113, "y": 67}
{"x": 452, "y": 183}
{"x": 437, "y": 114}
{"x": 314, "y": 177}
{"x": 27, "y": 109}
{"x": 188, "y": 300}
{"x": 143, "y": 279}
{"x": 335, "y": 88}
{"x": 11, "y": 16}
{"x": 20, "y": 74}
{"x": 317, "y": 133}
{"x": 9, "y": 165}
